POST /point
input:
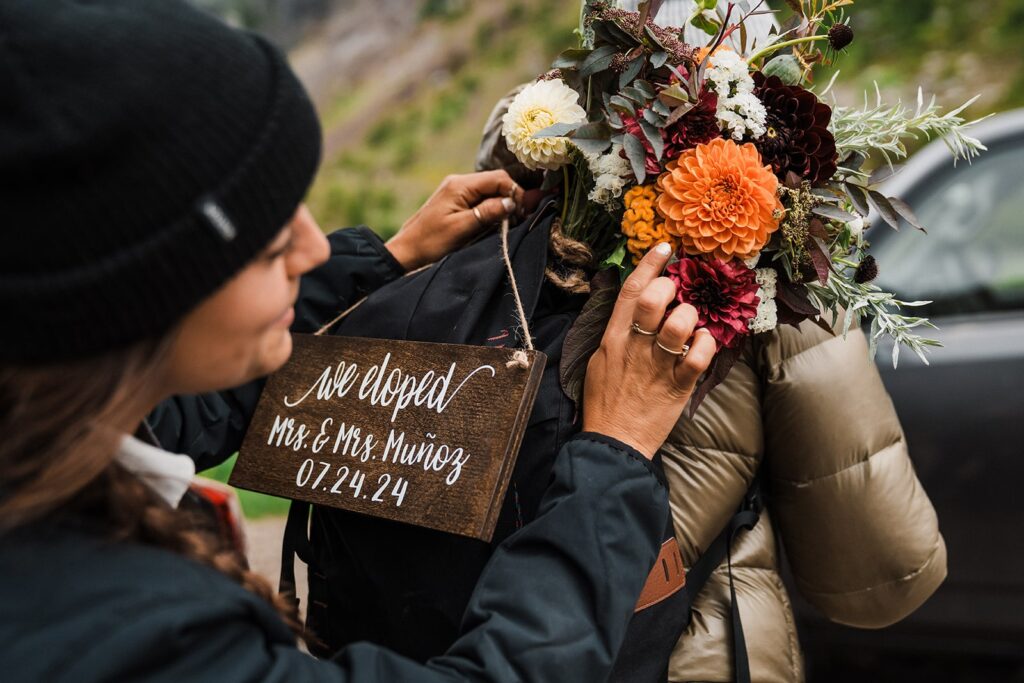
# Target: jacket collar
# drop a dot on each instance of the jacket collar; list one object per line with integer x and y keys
{"x": 167, "y": 474}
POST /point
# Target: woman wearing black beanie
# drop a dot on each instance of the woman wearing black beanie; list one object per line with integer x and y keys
{"x": 152, "y": 165}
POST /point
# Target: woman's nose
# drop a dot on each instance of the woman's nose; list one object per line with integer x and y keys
{"x": 310, "y": 248}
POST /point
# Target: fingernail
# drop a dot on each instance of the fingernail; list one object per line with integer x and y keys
{"x": 664, "y": 248}
{"x": 509, "y": 204}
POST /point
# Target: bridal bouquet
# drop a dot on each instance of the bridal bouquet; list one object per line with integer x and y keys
{"x": 731, "y": 156}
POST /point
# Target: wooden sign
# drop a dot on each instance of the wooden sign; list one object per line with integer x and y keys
{"x": 420, "y": 433}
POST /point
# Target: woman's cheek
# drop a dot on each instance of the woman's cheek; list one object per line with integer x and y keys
{"x": 232, "y": 337}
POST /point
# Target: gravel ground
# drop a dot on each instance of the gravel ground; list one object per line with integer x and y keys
{"x": 263, "y": 538}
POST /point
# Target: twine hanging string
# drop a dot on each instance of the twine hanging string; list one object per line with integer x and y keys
{"x": 520, "y": 359}
{"x": 519, "y": 356}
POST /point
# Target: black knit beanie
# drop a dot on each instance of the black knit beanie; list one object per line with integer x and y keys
{"x": 147, "y": 153}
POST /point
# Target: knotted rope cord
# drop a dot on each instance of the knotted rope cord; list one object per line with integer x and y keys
{"x": 574, "y": 253}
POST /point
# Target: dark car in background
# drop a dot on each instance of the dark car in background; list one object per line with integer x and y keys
{"x": 963, "y": 415}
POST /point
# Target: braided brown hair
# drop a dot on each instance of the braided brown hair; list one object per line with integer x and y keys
{"x": 57, "y": 462}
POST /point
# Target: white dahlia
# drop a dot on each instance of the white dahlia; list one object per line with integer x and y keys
{"x": 536, "y": 107}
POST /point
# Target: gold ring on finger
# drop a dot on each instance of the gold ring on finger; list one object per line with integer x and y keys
{"x": 681, "y": 352}
{"x": 639, "y": 330}
{"x": 479, "y": 218}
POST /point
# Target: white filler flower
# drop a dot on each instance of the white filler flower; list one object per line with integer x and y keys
{"x": 538, "y": 106}
{"x": 610, "y": 172}
{"x": 766, "y": 319}
{"x": 739, "y": 111}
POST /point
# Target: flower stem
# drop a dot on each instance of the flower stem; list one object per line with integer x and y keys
{"x": 565, "y": 194}
{"x": 775, "y": 47}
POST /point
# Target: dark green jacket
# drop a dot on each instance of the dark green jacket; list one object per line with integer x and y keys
{"x": 552, "y": 604}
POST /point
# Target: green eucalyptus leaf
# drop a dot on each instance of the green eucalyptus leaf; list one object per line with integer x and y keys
{"x": 595, "y": 130}
{"x": 653, "y": 38}
{"x": 592, "y": 147}
{"x": 884, "y": 208}
{"x": 557, "y": 130}
{"x": 632, "y": 71}
{"x": 883, "y": 173}
{"x": 571, "y": 58}
{"x": 903, "y": 209}
{"x": 646, "y": 88}
{"x": 598, "y": 60}
{"x": 858, "y": 197}
{"x": 653, "y": 136}
{"x": 833, "y": 212}
{"x": 652, "y": 117}
{"x": 634, "y": 94}
{"x": 661, "y": 108}
{"x": 619, "y": 35}
{"x": 659, "y": 58}
{"x": 637, "y": 155}
{"x": 621, "y": 104}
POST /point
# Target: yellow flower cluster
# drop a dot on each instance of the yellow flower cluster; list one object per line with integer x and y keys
{"x": 642, "y": 224}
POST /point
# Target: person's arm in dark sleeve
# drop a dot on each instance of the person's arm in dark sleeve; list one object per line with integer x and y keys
{"x": 209, "y": 427}
{"x": 552, "y": 604}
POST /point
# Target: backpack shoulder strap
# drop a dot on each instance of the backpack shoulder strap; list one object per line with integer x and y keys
{"x": 746, "y": 517}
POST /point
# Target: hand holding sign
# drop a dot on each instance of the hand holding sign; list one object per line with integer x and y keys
{"x": 414, "y": 432}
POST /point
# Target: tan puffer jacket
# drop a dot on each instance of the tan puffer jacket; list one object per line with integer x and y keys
{"x": 858, "y": 529}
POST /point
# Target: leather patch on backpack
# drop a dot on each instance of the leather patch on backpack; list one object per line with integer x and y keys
{"x": 666, "y": 578}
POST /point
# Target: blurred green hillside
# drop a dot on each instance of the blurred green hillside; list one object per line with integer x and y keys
{"x": 954, "y": 48}
{"x": 432, "y": 126}
{"x": 385, "y": 156}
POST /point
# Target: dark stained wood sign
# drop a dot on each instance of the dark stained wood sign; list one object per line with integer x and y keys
{"x": 420, "y": 433}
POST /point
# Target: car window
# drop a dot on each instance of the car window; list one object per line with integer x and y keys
{"x": 972, "y": 258}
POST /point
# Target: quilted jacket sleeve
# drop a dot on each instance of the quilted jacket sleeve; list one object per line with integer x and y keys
{"x": 859, "y": 530}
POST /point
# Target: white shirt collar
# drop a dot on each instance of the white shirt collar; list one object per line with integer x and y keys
{"x": 167, "y": 474}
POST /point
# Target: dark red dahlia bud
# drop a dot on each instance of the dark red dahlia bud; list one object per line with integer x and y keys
{"x": 839, "y": 36}
{"x": 867, "y": 270}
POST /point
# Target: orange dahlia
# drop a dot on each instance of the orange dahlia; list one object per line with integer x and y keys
{"x": 701, "y": 53}
{"x": 641, "y": 223}
{"x": 720, "y": 200}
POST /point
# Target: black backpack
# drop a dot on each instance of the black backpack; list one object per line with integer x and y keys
{"x": 406, "y": 587}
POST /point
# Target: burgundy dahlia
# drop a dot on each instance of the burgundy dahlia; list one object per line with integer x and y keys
{"x": 723, "y": 292}
{"x": 696, "y": 127}
{"x": 797, "y": 137}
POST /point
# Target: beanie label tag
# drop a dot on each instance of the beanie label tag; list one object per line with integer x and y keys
{"x": 219, "y": 220}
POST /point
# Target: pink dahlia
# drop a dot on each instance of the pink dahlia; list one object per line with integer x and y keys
{"x": 723, "y": 292}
